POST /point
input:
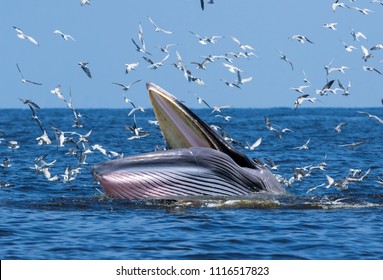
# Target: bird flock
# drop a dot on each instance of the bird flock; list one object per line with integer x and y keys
{"x": 76, "y": 143}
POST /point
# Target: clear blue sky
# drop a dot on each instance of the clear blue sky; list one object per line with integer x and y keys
{"x": 103, "y": 32}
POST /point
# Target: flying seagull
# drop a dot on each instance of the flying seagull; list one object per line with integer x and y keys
{"x": 85, "y": 2}
{"x": 25, "y": 80}
{"x": 158, "y": 29}
{"x": 22, "y": 35}
{"x": 64, "y": 36}
{"x": 84, "y": 67}
{"x": 330, "y": 25}
{"x": 369, "y": 68}
{"x": 126, "y": 87}
{"x": 338, "y": 128}
{"x": 301, "y": 39}
{"x": 302, "y": 98}
{"x": 285, "y": 58}
{"x": 131, "y": 66}
{"x": 242, "y": 46}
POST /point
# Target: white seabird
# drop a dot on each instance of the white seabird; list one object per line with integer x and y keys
{"x": 22, "y": 35}
{"x": 64, "y": 36}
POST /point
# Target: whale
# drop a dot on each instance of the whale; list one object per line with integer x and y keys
{"x": 198, "y": 162}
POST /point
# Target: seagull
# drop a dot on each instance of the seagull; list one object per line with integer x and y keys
{"x": 271, "y": 128}
{"x": 301, "y": 39}
{"x": 331, "y": 182}
{"x": 213, "y": 39}
{"x": 357, "y": 35}
{"x": 353, "y": 145}
{"x": 232, "y": 68}
{"x": 155, "y": 65}
{"x": 302, "y": 98}
{"x": 305, "y": 79}
{"x": 202, "y": 41}
{"x": 131, "y": 66}
{"x": 44, "y": 139}
{"x": 270, "y": 164}
{"x": 285, "y": 58}
{"x": 165, "y": 49}
{"x": 327, "y": 67}
{"x": 330, "y": 25}
{"x": 219, "y": 108}
{"x": 369, "y": 68}
{"x": 304, "y": 146}
{"x": 23, "y": 80}
{"x": 201, "y": 65}
{"x": 242, "y": 81}
{"x": 366, "y": 54}
{"x": 84, "y": 67}
{"x": 6, "y": 163}
{"x": 337, "y": 4}
{"x": 200, "y": 101}
{"x": 300, "y": 89}
{"x": 180, "y": 65}
{"x": 230, "y": 84}
{"x": 363, "y": 11}
{"x": 226, "y": 118}
{"x": 140, "y": 49}
{"x": 355, "y": 175}
{"x": 100, "y": 149}
{"x": 64, "y": 36}
{"x": 338, "y": 128}
{"x": 22, "y": 35}
{"x": 126, "y": 87}
{"x": 13, "y": 145}
{"x": 371, "y": 116}
{"x": 256, "y": 144}
{"x": 325, "y": 89}
{"x": 36, "y": 118}
{"x": 57, "y": 91}
{"x": 379, "y": 179}
{"x": 85, "y": 2}
{"x": 136, "y": 108}
{"x": 340, "y": 69}
{"x": 349, "y": 48}
{"x": 242, "y": 46}
{"x": 377, "y": 47}
{"x": 377, "y": 1}
{"x": 345, "y": 90}
{"x": 30, "y": 102}
{"x": 157, "y": 29}
{"x": 137, "y": 131}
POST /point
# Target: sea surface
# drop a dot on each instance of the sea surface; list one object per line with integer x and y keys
{"x": 72, "y": 219}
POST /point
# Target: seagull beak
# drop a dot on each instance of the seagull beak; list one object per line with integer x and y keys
{"x": 183, "y": 129}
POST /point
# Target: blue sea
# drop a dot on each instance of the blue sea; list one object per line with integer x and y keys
{"x": 72, "y": 219}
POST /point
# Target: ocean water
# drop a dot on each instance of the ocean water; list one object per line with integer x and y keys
{"x": 42, "y": 219}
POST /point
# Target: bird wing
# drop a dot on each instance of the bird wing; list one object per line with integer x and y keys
{"x": 86, "y": 70}
{"x": 32, "y": 40}
{"x": 155, "y": 25}
{"x": 18, "y": 68}
{"x": 134, "y": 82}
{"x": 134, "y": 42}
{"x": 235, "y": 40}
{"x": 31, "y": 82}
{"x": 256, "y": 143}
